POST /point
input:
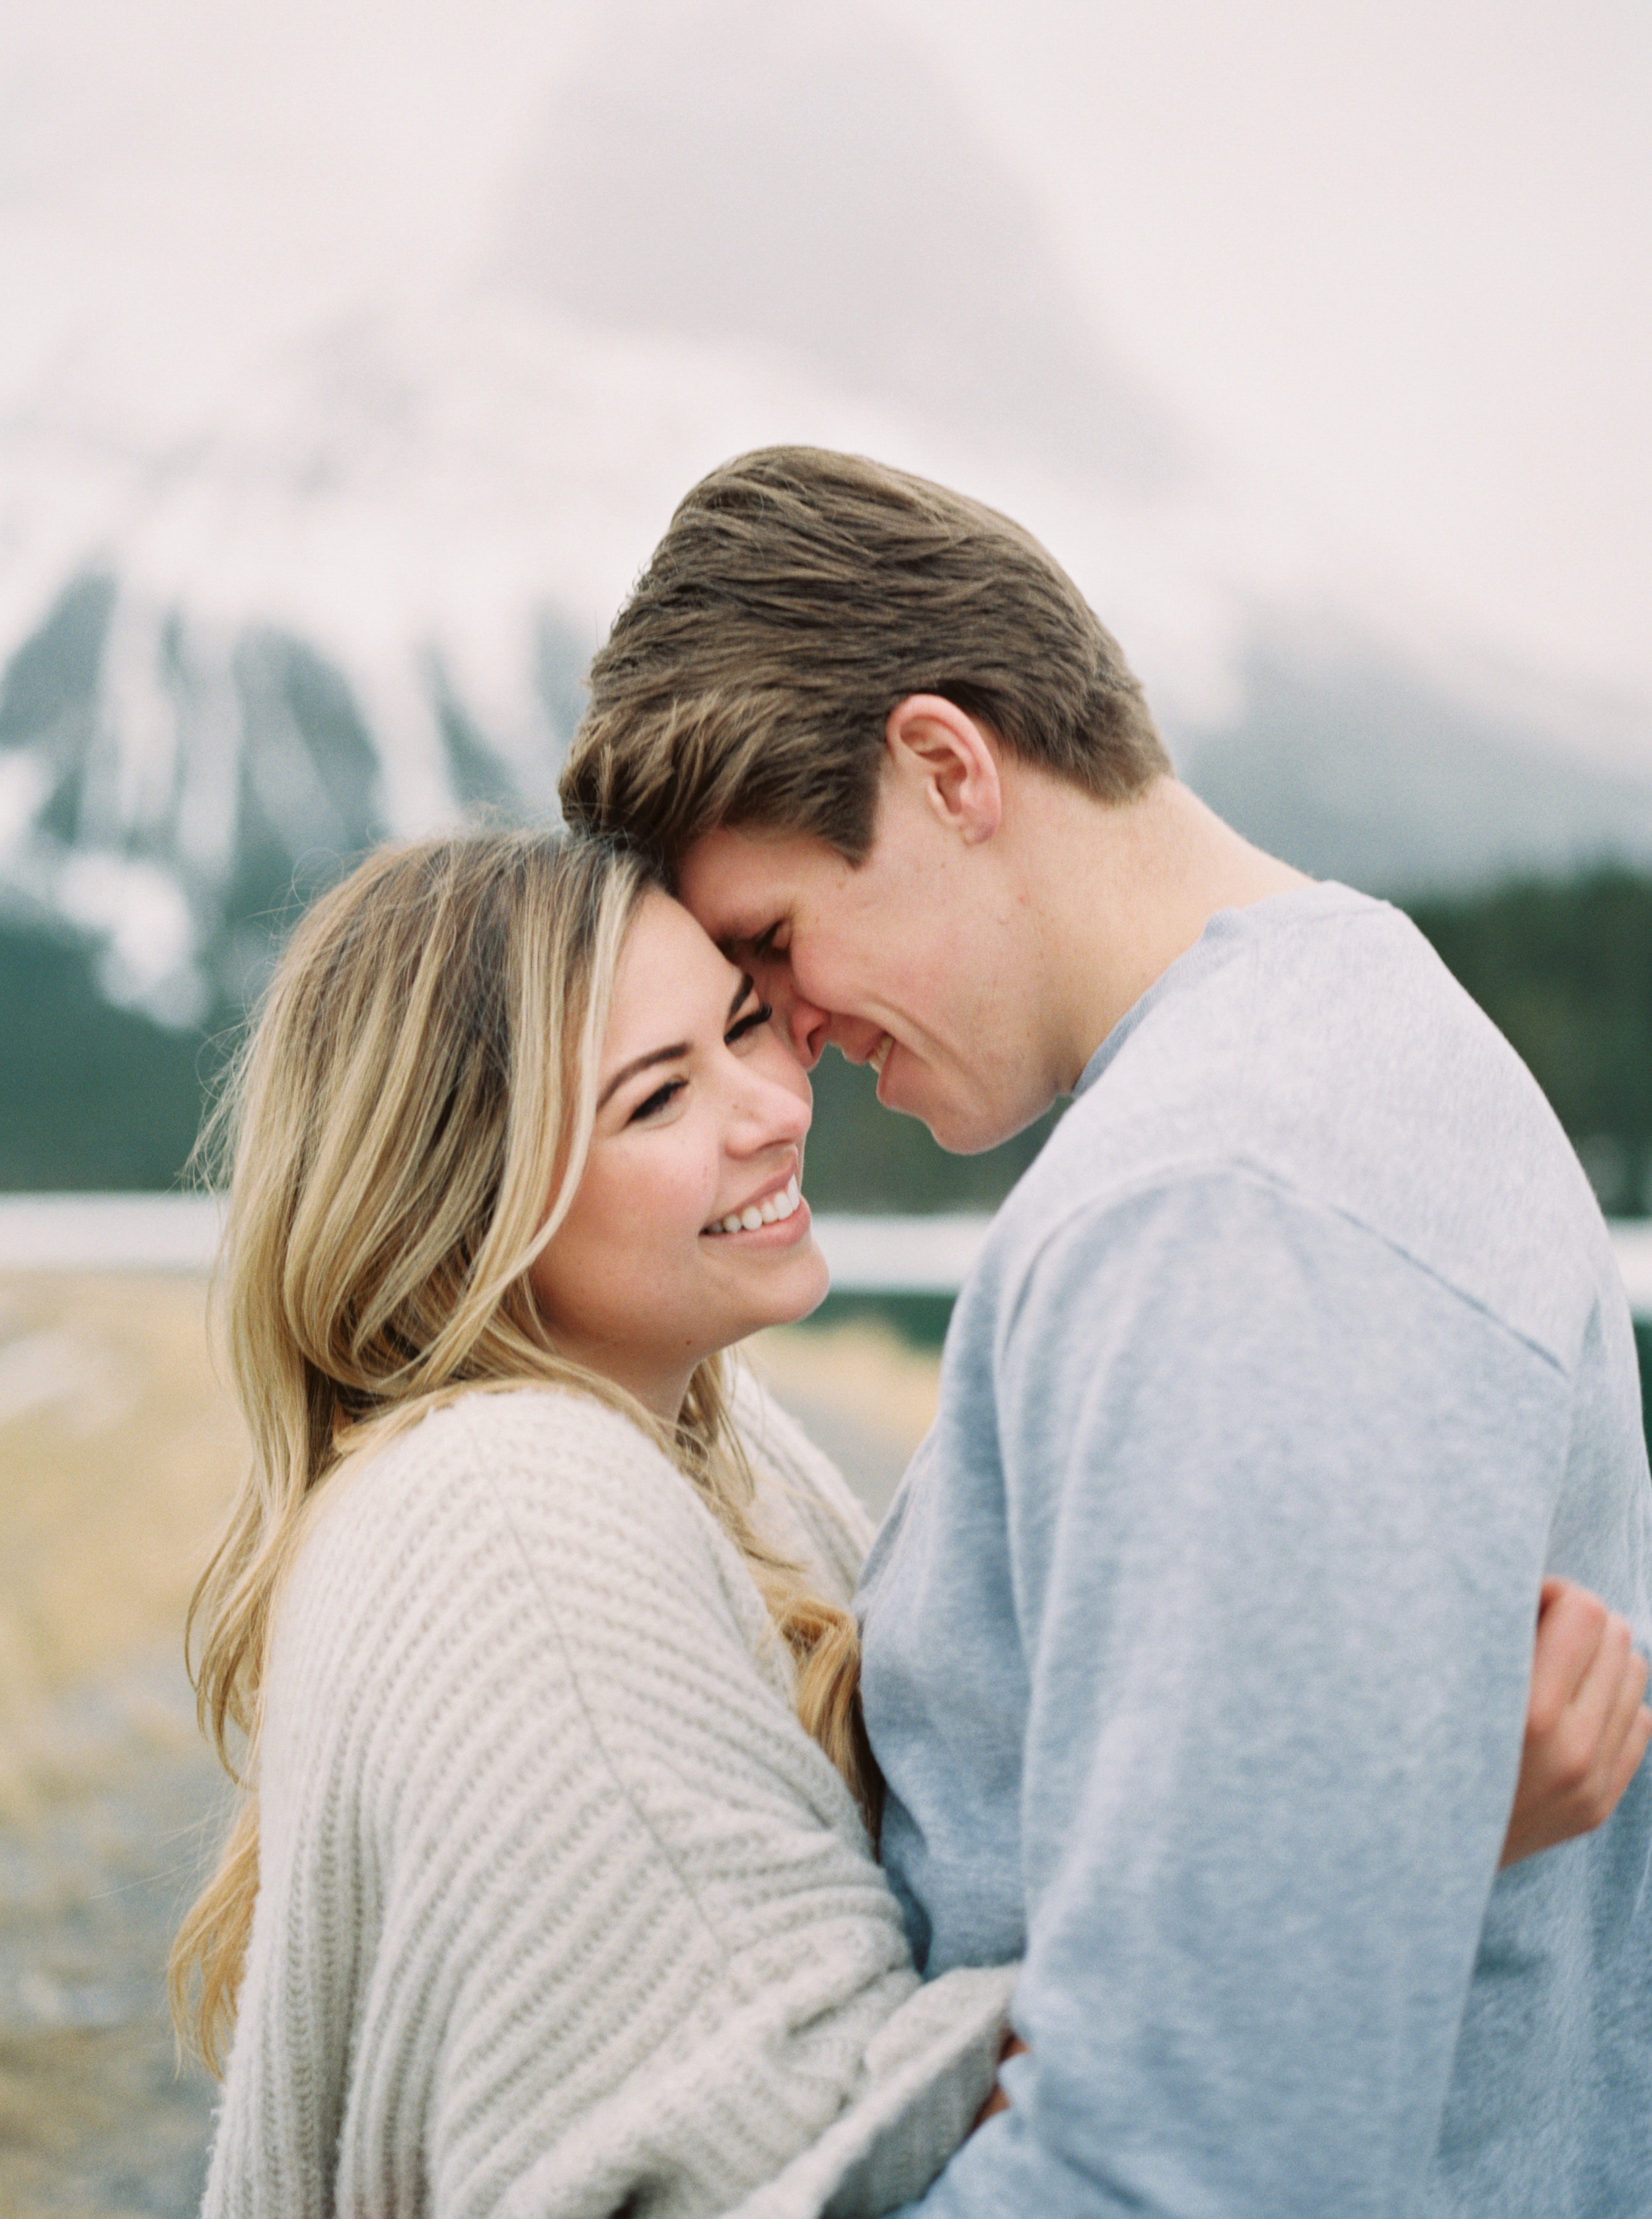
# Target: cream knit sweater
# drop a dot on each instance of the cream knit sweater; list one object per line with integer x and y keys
{"x": 560, "y": 1911}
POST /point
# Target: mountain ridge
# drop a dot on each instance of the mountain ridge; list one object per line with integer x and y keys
{"x": 168, "y": 804}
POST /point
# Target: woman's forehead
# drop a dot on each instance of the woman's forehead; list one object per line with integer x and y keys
{"x": 669, "y": 970}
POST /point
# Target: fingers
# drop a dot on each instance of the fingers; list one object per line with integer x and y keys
{"x": 1631, "y": 1688}
{"x": 996, "y": 2102}
{"x": 1594, "y": 1737}
{"x": 1628, "y": 1730}
{"x": 1587, "y": 1724}
{"x": 1012, "y": 2046}
{"x": 1571, "y": 1625}
{"x": 1590, "y": 1723}
{"x": 1635, "y": 1743}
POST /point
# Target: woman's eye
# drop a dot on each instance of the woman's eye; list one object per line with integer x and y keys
{"x": 660, "y": 1099}
{"x": 749, "y": 1023}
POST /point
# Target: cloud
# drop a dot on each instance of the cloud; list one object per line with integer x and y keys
{"x": 803, "y": 181}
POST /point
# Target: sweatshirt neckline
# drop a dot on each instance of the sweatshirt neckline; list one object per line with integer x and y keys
{"x": 1228, "y": 932}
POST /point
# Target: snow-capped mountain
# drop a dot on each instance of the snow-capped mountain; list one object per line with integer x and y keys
{"x": 168, "y": 793}
{"x": 281, "y": 570}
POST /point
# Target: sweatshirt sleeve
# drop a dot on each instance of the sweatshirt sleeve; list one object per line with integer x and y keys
{"x": 561, "y": 1908}
{"x": 1276, "y": 1517}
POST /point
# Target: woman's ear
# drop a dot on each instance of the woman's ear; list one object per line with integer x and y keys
{"x": 952, "y": 762}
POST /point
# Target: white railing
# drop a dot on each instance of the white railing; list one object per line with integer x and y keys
{"x": 1632, "y": 1239}
{"x": 107, "y": 1232}
{"x": 177, "y": 1232}
{"x": 867, "y": 1254}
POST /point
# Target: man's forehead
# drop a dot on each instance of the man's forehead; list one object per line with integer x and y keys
{"x": 736, "y": 883}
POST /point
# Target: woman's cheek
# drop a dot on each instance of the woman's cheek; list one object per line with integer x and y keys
{"x": 663, "y": 1206}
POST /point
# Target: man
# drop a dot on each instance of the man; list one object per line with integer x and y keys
{"x": 1197, "y": 1646}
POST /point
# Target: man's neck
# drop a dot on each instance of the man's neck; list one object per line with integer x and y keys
{"x": 1120, "y": 890}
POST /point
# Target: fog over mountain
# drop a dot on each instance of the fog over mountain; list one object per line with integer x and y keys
{"x": 803, "y": 182}
{"x": 1357, "y": 764}
{"x": 261, "y": 602}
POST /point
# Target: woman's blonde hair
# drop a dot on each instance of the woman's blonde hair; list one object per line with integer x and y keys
{"x": 421, "y": 1077}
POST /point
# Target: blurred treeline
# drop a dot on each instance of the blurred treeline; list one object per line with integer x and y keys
{"x": 94, "y": 1098}
{"x": 1565, "y": 972}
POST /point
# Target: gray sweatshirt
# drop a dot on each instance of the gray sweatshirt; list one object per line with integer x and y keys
{"x": 1198, "y": 1640}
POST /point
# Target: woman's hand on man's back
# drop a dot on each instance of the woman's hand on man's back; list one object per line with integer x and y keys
{"x": 1587, "y": 1725}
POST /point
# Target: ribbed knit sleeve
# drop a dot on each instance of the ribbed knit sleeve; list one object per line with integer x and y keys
{"x": 560, "y": 1911}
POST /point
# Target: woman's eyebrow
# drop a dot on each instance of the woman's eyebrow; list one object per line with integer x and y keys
{"x": 666, "y": 1054}
{"x": 640, "y": 1063}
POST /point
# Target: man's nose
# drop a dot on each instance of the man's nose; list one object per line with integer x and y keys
{"x": 803, "y": 1024}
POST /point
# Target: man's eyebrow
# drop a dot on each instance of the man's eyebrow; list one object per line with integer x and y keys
{"x": 743, "y": 936}
{"x": 677, "y": 1048}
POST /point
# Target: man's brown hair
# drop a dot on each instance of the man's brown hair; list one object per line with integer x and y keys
{"x": 796, "y": 597}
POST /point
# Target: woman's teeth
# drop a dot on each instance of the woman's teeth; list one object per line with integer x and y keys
{"x": 769, "y": 1211}
{"x": 879, "y": 1055}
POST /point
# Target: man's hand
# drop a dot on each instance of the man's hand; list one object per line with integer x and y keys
{"x": 1013, "y": 2046}
{"x": 1587, "y": 1726}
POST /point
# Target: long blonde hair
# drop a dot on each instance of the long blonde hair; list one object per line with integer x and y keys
{"x": 420, "y": 1077}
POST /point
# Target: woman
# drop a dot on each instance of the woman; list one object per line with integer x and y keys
{"x": 551, "y": 1888}
{"x": 559, "y": 1906}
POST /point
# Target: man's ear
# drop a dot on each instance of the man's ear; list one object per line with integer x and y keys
{"x": 951, "y": 760}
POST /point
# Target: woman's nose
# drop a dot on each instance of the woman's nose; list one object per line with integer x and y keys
{"x": 771, "y": 1110}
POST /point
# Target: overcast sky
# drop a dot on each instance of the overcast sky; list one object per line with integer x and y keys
{"x": 1376, "y": 277}
{"x": 1393, "y": 257}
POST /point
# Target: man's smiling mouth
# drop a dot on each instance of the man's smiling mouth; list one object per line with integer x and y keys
{"x": 879, "y": 1055}
{"x": 769, "y": 1211}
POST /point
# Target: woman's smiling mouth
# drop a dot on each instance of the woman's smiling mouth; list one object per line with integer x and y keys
{"x": 783, "y": 1203}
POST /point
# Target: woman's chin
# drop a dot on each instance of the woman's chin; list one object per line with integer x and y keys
{"x": 821, "y": 1287}
{"x": 793, "y": 1292}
